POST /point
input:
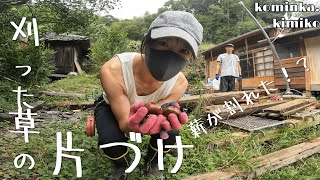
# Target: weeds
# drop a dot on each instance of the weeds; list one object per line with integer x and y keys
{"x": 204, "y": 157}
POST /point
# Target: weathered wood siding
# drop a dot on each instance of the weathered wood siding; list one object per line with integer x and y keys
{"x": 252, "y": 83}
{"x": 211, "y": 66}
{"x": 296, "y": 73}
{"x": 64, "y": 59}
{"x": 313, "y": 61}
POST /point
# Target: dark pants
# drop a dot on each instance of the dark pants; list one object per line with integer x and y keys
{"x": 227, "y": 83}
{"x": 109, "y": 131}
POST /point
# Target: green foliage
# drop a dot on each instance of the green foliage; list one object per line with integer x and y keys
{"x": 204, "y": 157}
{"x": 133, "y": 46}
{"x": 304, "y": 169}
{"x": 12, "y": 55}
{"x": 87, "y": 84}
{"x": 8, "y": 99}
{"x": 109, "y": 42}
{"x": 195, "y": 75}
{"x": 136, "y": 27}
{"x": 205, "y": 46}
{"x": 43, "y": 149}
{"x": 101, "y": 5}
{"x": 223, "y": 19}
{"x": 63, "y": 16}
{"x": 38, "y": 58}
{"x": 268, "y": 16}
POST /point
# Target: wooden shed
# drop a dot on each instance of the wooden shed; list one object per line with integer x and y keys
{"x": 259, "y": 64}
{"x": 70, "y": 52}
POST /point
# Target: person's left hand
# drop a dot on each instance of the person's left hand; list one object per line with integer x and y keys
{"x": 175, "y": 122}
{"x": 154, "y": 126}
{"x": 240, "y": 77}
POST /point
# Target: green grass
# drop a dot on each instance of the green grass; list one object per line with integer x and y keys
{"x": 8, "y": 99}
{"x": 306, "y": 169}
{"x": 205, "y": 157}
{"x": 82, "y": 84}
{"x": 87, "y": 84}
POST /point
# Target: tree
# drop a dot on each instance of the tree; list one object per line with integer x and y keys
{"x": 136, "y": 27}
{"x": 222, "y": 19}
{"x": 94, "y": 5}
{"x": 109, "y": 42}
{"x": 13, "y": 54}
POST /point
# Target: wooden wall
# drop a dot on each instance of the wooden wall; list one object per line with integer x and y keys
{"x": 296, "y": 73}
{"x": 64, "y": 59}
{"x": 300, "y": 77}
{"x": 211, "y": 66}
{"x": 252, "y": 83}
{"x": 313, "y": 62}
{"x": 249, "y": 83}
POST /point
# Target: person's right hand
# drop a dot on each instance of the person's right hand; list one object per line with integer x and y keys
{"x": 217, "y": 76}
{"x": 136, "y": 116}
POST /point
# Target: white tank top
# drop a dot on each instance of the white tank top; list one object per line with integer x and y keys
{"x": 126, "y": 60}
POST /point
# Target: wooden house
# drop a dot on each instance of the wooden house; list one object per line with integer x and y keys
{"x": 258, "y": 62}
{"x": 70, "y": 51}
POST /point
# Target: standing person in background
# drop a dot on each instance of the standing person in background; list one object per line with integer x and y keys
{"x": 229, "y": 66}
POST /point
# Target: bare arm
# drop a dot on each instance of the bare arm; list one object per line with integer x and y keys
{"x": 218, "y": 68}
{"x": 111, "y": 81}
{"x": 218, "y": 65}
{"x": 239, "y": 68}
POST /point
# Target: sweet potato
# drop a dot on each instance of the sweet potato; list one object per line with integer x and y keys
{"x": 153, "y": 108}
{"x": 170, "y": 109}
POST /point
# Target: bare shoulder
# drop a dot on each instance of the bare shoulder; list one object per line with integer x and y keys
{"x": 111, "y": 76}
{"x": 181, "y": 85}
{"x": 182, "y": 80}
{"x": 111, "y": 67}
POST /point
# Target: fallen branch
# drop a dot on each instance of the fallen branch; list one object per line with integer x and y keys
{"x": 10, "y": 117}
{"x": 73, "y": 105}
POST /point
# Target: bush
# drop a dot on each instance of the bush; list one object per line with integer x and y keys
{"x": 133, "y": 46}
{"x": 109, "y": 42}
{"x": 38, "y": 58}
{"x": 8, "y": 99}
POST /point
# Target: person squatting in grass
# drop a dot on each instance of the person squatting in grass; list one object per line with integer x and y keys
{"x": 130, "y": 80}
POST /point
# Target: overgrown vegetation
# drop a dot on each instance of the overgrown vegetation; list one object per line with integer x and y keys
{"x": 221, "y": 20}
{"x": 86, "y": 84}
{"x": 204, "y": 157}
{"x": 110, "y": 41}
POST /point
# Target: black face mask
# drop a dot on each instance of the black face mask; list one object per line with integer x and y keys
{"x": 163, "y": 64}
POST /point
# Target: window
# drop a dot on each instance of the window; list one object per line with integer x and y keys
{"x": 288, "y": 50}
{"x": 263, "y": 61}
{"x": 246, "y": 64}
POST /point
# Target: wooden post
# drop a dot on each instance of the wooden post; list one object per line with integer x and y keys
{"x": 308, "y": 77}
{"x": 76, "y": 62}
